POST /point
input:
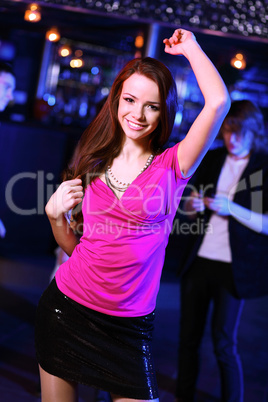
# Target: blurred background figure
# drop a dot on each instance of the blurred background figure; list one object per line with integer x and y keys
{"x": 2, "y": 229}
{"x": 7, "y": 86}
{"x": 226, "y": 261}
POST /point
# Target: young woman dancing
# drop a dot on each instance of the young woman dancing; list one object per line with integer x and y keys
{"x": 95, "y": 321}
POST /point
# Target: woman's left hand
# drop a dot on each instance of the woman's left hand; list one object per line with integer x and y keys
{"x": 175, "y": 44}
{"x": 220, "y": 204}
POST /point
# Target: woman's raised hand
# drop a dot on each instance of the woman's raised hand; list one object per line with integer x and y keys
{"x": 176, "y": 43}
{"x": 66, "y": 197}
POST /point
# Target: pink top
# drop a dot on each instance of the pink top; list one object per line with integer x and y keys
{"x": 116, "y": 267}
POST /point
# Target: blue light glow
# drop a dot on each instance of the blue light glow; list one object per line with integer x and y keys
{"x": 51, "y": 100}
{"x": 95, "y": 70}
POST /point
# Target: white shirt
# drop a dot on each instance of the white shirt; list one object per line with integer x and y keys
{"x": 216, "y": 242}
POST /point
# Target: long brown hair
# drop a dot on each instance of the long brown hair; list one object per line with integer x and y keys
{"x": 103, "y": 139}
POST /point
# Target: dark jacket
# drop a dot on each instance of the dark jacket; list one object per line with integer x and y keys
{"x": 249, "y": 249}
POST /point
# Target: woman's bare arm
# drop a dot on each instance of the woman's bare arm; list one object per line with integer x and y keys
{"x": 217, "y": 101}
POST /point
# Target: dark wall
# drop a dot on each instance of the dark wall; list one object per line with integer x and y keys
{"x": 31, "y": 161}
{"x": 26, "y": 64}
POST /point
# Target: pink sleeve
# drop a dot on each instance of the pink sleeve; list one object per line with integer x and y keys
{"x": 169, "y": 159}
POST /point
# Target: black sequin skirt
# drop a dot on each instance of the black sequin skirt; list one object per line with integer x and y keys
{"x": 106, "y": 352}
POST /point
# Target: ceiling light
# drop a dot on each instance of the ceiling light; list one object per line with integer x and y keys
{"x": 32, "y": 14}
{"x": 76, "y": 63}
{"x": 238, "y": 61}
{"x": 53, "y": 35}
{"x": 64, "y": 51}
{"x": 139, "y": 41}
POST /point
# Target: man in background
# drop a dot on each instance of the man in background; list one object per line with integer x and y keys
{"x": 7, "y": 86}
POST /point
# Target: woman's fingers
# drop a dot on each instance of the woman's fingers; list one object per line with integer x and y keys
{"x": 175, "y": 38}
{"x": 71, "y": 186}
{"x": 179, "y": 37}
{"x": 72, "y": 194}
{"x": 67, "y": 196}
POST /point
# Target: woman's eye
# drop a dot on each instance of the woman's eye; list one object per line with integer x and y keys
{"x": 130, "y": 100}
{"x": 153, "y": 107}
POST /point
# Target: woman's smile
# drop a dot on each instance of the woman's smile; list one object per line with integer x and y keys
{"x": 135, "y": 126}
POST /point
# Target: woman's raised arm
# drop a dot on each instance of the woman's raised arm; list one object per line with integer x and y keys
{"x": 217, "y": 101}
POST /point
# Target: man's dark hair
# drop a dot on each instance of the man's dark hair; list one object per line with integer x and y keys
{"x": 6, "y": 68}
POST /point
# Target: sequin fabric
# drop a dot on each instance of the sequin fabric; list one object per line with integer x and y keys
{"x": 82, "y": 345}
{"x": 239, "y": 17}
